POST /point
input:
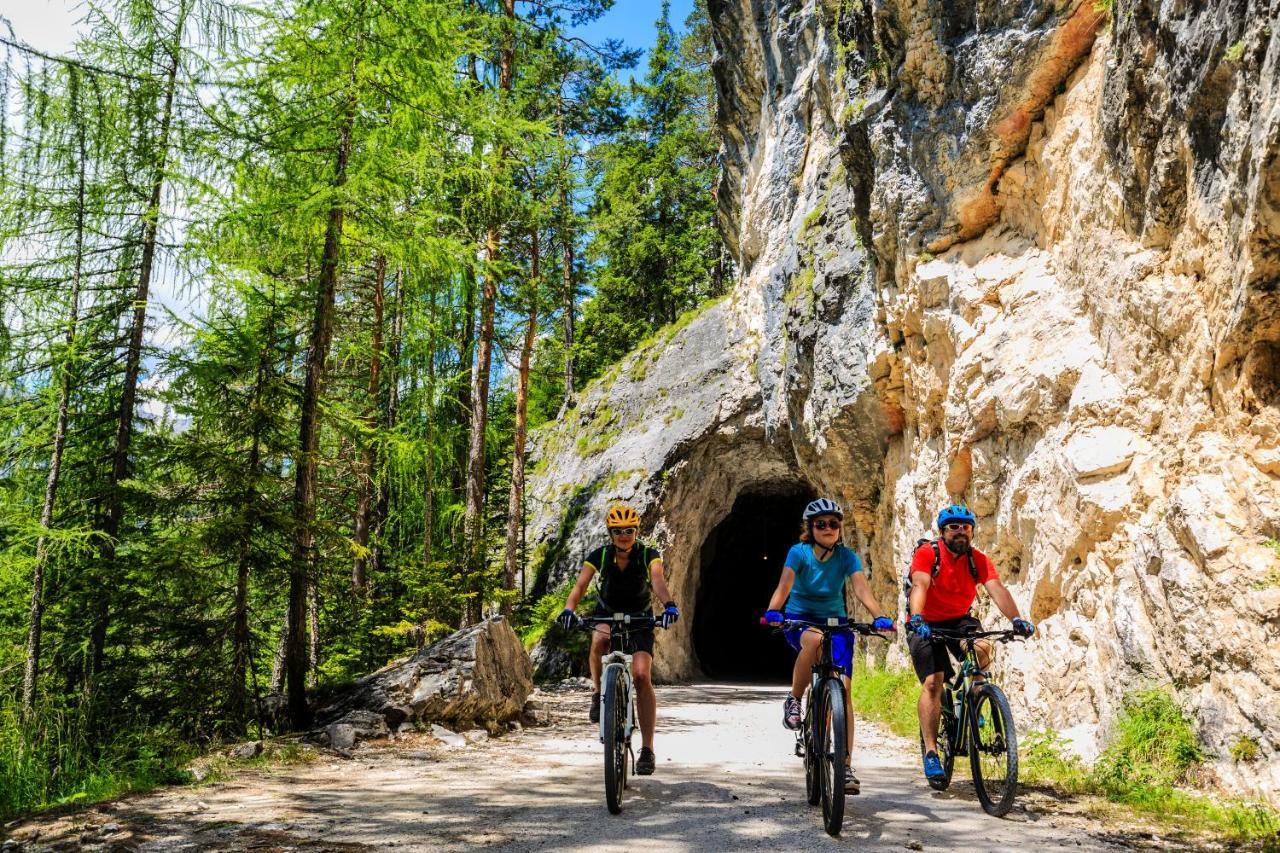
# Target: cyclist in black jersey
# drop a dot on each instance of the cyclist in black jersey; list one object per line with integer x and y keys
{"x": 630, "y": 573}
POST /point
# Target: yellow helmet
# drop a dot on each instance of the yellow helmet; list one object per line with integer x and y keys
{"x": 621, "y": 515}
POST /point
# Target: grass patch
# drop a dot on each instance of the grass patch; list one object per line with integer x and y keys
{"x": 887, "y": 696}
{"x": 1148, "y": 763}
{"x": 1245, "y": 749}
{"x": 1151, "y": 756}
{"x": 1233, "y": 53}
{"x": 51, "y": 760}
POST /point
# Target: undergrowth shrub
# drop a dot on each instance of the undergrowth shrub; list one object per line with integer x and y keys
{"x": 887, "y": 696}
{"x": 51, "y": 760}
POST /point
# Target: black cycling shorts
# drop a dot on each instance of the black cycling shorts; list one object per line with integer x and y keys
{"x": 637, "y": 641}
{"x": 930, "y": 656}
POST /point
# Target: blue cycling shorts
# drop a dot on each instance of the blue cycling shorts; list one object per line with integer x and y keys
{"x": 841, "y": 641}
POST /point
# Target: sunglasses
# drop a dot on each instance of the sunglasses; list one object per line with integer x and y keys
{"x": 622, "y": 531}
{"x": 957, "y": 525}
{"x": 823, "y": 524}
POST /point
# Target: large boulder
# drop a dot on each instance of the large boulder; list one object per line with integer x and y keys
{"x": 476, "y": 676}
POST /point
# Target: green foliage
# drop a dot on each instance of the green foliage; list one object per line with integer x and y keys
{"x": 1234, "y": 52}
{"x": 1153, "y": 750}
{"x": 1152, "y": 745}
{"x": 1044, "y": 760}
{"x": 55, "y": 760}
{"x": 887, "y": 696}
{"x": 1245, "y": 749}
{"x": 654, "y": 248}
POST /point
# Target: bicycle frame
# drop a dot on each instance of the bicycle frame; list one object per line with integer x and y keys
{"x": 961, "y": 685}
{"x": 618, "y": 658}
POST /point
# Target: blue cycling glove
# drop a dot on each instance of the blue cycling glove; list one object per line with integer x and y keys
{"x": 567, "y": 619}
{"x": 1023, "y": 628}
{"x": 882, "y": 623}
{"x": 670, "y": 615}
{"x": 920, "y": 626}
{"x": 773, "y": 617}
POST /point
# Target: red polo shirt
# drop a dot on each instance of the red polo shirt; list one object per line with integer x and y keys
{"x": 952, "y": 592}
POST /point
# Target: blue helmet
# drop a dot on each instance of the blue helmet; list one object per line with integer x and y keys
{"x": 823, "y": 506}
{"x": 956, "y": 512}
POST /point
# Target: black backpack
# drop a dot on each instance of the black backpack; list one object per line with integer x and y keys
{"x": 937, "y": 564}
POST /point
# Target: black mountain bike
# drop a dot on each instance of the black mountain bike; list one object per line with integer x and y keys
{"x": 976, "y": 719}
{"x": 823, "y": 738}
{"x": 618, "y": 700}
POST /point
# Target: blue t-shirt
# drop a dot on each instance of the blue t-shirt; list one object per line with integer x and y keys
{"x": 819, "y": 586}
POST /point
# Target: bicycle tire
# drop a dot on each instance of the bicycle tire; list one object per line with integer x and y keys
{"x": 812, "y": 727}
{"x": 613, "y": 713}
{"x": 831, "y": 755}
{"x": 993, "y": 753}
{"x": 947, "y": 724}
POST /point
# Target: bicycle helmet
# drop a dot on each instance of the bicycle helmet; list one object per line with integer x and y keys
{"x": 823, "y": 506}
{"x": 621, "y": 515}
{"x": 956, "y": 512}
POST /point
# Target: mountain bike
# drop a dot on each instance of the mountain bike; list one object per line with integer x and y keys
{"x": 617, "y": 700}
{"x": 823, "y": 736}
{"x": 976, "y": 720}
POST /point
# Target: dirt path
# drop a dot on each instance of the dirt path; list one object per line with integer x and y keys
{"x": 726, "y": 780}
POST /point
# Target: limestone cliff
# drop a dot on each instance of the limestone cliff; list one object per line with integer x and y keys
{"x": 1023, "y": 255}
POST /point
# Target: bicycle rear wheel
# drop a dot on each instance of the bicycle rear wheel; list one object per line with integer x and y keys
{"x": 993, "y": 754}
{"x": 614, "y": 715}
{"x": 947, "y": 731}
{"x": 831, "y": 754}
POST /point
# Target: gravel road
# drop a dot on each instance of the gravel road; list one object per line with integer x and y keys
{"x": 727, "y": 780}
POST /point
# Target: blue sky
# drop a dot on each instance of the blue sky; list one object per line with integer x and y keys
{"x": 632, "y": 21}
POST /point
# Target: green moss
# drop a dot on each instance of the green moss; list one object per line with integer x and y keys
{"x": 673, "y": 415}
{"x": 800, "y": 292}
{"x": 1245, "y": 749}
{"x": 589, "y": 445}
{"x": 1233, "y": 53}
{"x": 811, "y": 220}
{"x": 617, "y": 478}
{"x": 853, "y": 110}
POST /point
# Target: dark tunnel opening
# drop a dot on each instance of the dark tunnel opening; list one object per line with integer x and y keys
{"x": 741, "y": 561}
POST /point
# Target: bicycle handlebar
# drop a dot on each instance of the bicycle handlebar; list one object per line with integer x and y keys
{"x": 1004, "y": 636}
{"x": 864, "y": 628}
{"x": 624, "y": 621}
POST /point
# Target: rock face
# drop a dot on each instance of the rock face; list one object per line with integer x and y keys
{"x": 1020, "y": 255}
{"x": 478, "y": 675}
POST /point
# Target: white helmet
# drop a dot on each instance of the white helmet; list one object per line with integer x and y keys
{"x": 823, "y": 506}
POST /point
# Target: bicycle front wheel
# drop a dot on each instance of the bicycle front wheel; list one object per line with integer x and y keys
{"x": 614, "y": 715}
{"x": 812, "y": 737}
{"x": 993, "y": 754}
{"x": 831, "y": 755}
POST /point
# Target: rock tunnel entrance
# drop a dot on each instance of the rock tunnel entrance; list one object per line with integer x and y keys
{"x": 740, "y": 562}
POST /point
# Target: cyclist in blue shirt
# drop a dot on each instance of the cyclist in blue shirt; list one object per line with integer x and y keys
{"x": 812, "y": 587}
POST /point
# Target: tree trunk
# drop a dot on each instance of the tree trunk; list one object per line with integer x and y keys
{"x": 301, "y": 580}
{"x": 113, "y": 512}
{"x": 566, "y": 272}
{"x": 242, "y": 638}
{"x": 429, "y": 492}
{"x": 474, "y": 518}
{"x": 368, "y": 461}
{"x": 35, "y": 625}
{"x": 515, "y": 507}
{"x": 391, "y": 379}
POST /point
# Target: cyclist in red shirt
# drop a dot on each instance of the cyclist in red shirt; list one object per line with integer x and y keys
{"x": 944, "y": 583}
